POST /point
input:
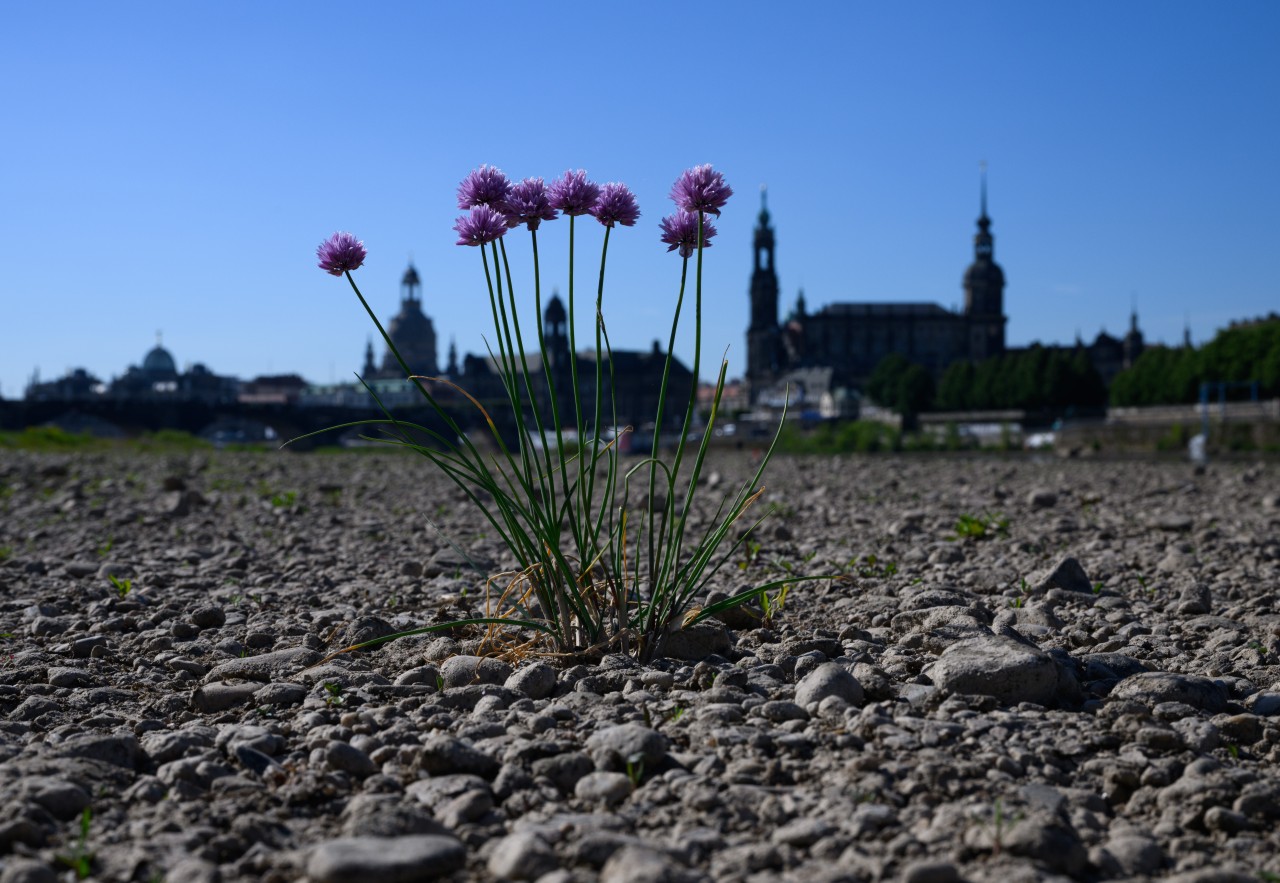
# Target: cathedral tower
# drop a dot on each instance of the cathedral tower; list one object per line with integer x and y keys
{"x": 412, "y": 332}
{"x": 762, "y": 334}
{"x": 984, "y": 290}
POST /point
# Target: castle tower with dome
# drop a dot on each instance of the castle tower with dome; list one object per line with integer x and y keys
{"x": 413, "y": 334}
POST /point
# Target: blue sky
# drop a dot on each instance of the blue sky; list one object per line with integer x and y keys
{"x": 172, "y": 166}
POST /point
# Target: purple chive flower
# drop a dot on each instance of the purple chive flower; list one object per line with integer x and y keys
{"x": 484, "y": 186}
{"x": 482, "y": 226}
{"x": 680, "y": 230}
{"x": 616, "y": 204}
{"x": 341, "y": 253}
{"x": 573, "y": 194}
{"x": 701, "y": 188}
{"x": 528, "y": 204}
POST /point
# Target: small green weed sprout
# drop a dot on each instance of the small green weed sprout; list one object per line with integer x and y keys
{"x": 285, "y": 500}
{"x": 333, "y": 694}
{"x": 80, "y": 859}
{"x": 773, "y": 606}
{"x": 999, "y": 820}
{"x": 870, "y": 567}
{"x": 635, "y": 769}
{"x": 122, "y": 586}
{"x": 105, "y": 548}
{"x": 980, "y": 527}
{"x": 6, "y": 552}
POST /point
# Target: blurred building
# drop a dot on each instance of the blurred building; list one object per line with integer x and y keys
{"x": 157, "y": 378}
{"x": 413, "y": 334}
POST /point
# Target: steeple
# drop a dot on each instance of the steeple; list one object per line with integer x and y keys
{"x": 762, "y": 333}
{"x": 984, "y": 287}
{"x": 370, "y": 367}
{"x": 983, "y": 241}
{"x": 1133, "y": 344}
{"x": 452, "y": 368}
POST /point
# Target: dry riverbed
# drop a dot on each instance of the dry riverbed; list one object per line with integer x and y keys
{"x": 1022, "y": 671}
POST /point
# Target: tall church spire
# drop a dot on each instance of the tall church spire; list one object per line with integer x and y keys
{"x": 762, "y": 333}
{"x": 984, "y": 287}
{"x": 982, "y": 168}
{"x": 983, "y": 241}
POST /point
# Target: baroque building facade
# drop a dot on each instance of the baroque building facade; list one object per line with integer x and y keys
{"x": 826, "y": 356}
{"x": 840, "y": 344}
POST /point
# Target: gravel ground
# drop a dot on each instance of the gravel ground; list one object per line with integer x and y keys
{"x": 1081, "y": 685}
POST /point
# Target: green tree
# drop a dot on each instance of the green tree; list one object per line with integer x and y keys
{"x": 882, "y": 385}
{"x": 915, "y": 391}
{"x": 955, "y": 388}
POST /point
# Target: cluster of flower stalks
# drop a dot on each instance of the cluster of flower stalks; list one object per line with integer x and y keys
{"x": 597, "y": 573}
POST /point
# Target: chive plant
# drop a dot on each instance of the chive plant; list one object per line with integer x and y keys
{"x": 597, "y": 571}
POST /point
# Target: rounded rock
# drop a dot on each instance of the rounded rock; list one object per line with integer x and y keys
{"x": 603, "y": 787}
{"x": 521, "y": 856}
{"x": 614, "y": 747}
{"x": 828, "y": 680}
{"x": 536, "y": 681}
{"x": 408, "y": 859}
{"x": 349, "y": 759}
{"x": 209, "y": 616}
{"x": 460, "y": 671}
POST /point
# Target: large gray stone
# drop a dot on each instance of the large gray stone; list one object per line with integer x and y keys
{"x": 828, "y": 680}
{"x": 1154, "y": 687}
{"x": 535, "y": 681}
{"x": 998, "y": 666}
{"x": 521, "y": 856}
{"x": 265, "y": 666}
{"x": 386, "y": 859}
{"x": 614, "y": 747}
{"x": 462, "y": 671}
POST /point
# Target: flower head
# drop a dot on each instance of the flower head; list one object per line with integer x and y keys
{"x": 616, "y": 204}
{"x": 482, "y": 226}
{"x": 701, "y": 188}
{"x": 528, "y": 204}
{"x": 573, "y": 194}
{"x": 680, "y": 230}
{"x": 341, "y": 253}
{"x": 484, "y": 186}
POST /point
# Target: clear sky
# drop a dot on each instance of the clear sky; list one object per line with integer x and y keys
{"x": 171, "y": 167}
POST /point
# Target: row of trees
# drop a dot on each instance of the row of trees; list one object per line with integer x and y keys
{"x": 1050, "y": 378}
{"x": 1033, "y": 379}
{"x": 1244, "y": 353}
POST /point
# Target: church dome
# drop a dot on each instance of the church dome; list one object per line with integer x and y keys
{"x": 415, "y": 337}
{"x": 411, "y": 277}
{"x": 159, "y": 361}
{"x": 555, "y": 311}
